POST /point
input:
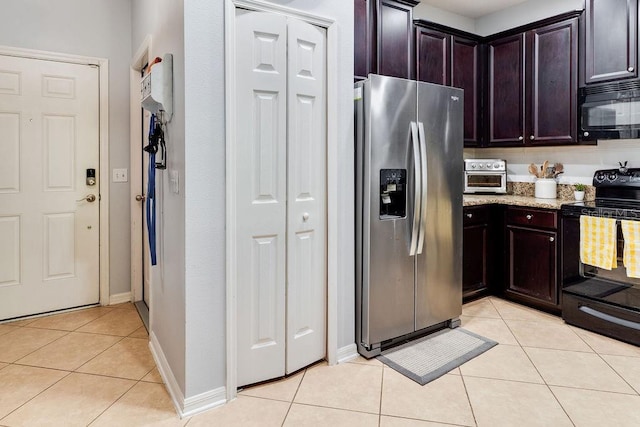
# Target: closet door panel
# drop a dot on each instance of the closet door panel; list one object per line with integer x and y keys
{"x": 260, "y": 182}
{"x": 306, "y": 216}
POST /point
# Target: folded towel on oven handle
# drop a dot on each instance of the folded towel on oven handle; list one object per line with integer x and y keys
{"x": 631, "y": 253}
{"x": 598, "y": 242}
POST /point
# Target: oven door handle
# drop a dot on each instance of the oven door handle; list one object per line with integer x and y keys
{"x": 609, "y": 318}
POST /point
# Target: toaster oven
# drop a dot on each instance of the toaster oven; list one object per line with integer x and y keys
{"x": 485, "y": 176}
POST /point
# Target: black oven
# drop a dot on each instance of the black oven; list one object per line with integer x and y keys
{"x": 604, "y": 301}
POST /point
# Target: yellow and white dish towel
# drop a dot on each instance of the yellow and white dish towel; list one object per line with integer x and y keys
{"x": 598, "y": 242}
{"x": 631, "y": 253}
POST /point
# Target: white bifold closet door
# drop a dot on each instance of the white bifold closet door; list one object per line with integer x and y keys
{"x": 280, "y": 195}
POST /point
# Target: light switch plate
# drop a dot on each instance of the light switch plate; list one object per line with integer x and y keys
{"x": 174, "y": 180}
{"x": 120, "y": 175}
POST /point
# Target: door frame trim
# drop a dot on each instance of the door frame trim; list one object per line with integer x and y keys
{"x": 138, "y": 60}
{"x": 332, "y": 173}
{"x": 103, "y": 137}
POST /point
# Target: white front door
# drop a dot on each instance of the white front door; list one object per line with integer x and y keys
{"x": 280, "y": 200}
{"x": 49, "y": 216}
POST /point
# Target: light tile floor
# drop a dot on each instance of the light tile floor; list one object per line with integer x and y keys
{"x": 93, "y": 367}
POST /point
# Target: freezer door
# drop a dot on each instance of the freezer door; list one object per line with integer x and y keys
{"x": 388, "y": 203}
{"x": 439, "y": 266}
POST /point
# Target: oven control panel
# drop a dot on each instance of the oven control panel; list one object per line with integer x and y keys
{"x": 617, "y": 178}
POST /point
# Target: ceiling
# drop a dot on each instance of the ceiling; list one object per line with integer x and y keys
{"x": 472, "y": 8}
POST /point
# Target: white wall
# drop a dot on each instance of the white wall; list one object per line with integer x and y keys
{"x": 520, "y": 14}
{"x": 188, "y": 312}
{"x": 434, "y": 14}
{"x": 580, "y": 162}
{"x": 98, "y": 28}
{"x": 163, "y": 21}
{"x": 524, "y": 13}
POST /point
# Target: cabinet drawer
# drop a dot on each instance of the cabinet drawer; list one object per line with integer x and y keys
{"x": 532, "y": 217}
{"x": 475, "y": 215}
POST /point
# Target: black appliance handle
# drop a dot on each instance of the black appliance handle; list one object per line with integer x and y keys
{"x": 609, "y": 318}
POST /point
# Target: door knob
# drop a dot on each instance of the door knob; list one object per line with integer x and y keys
{"x": 305, "y": 216}
{"x": 630, "y": 69}
{"x": 89, "y": 198}
{"x": 139, "y": 197}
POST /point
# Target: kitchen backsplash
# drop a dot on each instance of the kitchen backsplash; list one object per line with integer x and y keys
{"x": 564, "y": 191}
{"x": 580, "y": 162}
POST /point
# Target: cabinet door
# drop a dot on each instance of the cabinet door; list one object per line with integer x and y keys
{"x": 474, "y": 258}
{"x": 465, "y": 75}
{"x": 552, "y": 58}
{"x": 395, "y": 38}
{"x": 362, "y": 38}
{"x": 433, "y": 51}
{"x": 506, "y": 91}
{"x": 532, "y": 267}
{"x": 611, "y": 40}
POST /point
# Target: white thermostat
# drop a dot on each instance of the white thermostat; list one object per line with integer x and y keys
{"x": 157, "y": 88}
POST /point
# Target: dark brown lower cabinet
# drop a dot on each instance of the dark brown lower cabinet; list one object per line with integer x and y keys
{"x": 476, "y": 254}
{"x": 532, "y": 254}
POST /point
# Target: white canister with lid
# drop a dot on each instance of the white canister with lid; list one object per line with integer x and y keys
{"x": 546, "y": 188}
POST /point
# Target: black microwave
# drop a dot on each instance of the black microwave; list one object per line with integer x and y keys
{"x": 609, "y": 111}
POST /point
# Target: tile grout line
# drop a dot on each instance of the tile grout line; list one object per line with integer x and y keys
{"x": 381, "y": 396}
{"x": 114, "y": 402}
{"x": 466, "y": 392}
{"x": 304, "y": 374}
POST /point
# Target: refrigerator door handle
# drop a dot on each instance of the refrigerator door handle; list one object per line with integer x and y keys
{"x": 423, "y": 187}
{"x": 415, "y": 142}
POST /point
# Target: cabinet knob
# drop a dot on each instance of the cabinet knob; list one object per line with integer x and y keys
{"x": 529, "y": 217}
{"x": 305, "y": 216}
{"x": 532, "y": 137}
{"x": 520, "y": 138}
{"x": 469, "y": 215}
{"x": 551, "y": 239}
{"x": 586, "y": 134}
{"x": 630, "y": 69}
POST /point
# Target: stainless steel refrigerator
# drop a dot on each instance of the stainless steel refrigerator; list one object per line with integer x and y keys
{"x": 409, "y": 182}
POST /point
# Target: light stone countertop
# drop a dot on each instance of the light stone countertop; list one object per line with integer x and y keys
{"x": 506, "y": 199}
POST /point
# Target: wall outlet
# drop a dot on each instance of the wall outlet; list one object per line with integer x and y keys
{"x": 120, "y": 175}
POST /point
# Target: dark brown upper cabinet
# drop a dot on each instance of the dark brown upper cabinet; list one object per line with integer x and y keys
{"x": 610, "y": 41}
{"x": 451, "y": 58}
{"x": 383, "y": 38}
{"x": 532, "y": 86}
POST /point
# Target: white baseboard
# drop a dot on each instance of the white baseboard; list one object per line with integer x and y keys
{"x": 120, "y": 298}
{"x": 192, "y": 405}
{"x": 204, "y": 401}
{"x": 347, "y": 353}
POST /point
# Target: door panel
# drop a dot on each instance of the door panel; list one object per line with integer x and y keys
{"x": 50, "y": 233}
{"x": 433, "y": 52}
{"x": 506, "y": 90}
{"x": 439, "y": 267}
{"x": 388, "y": 270}
{"x": 260, "y": 195}
{"x": 306, "y": 183}
{"x": 554, "y": 81}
